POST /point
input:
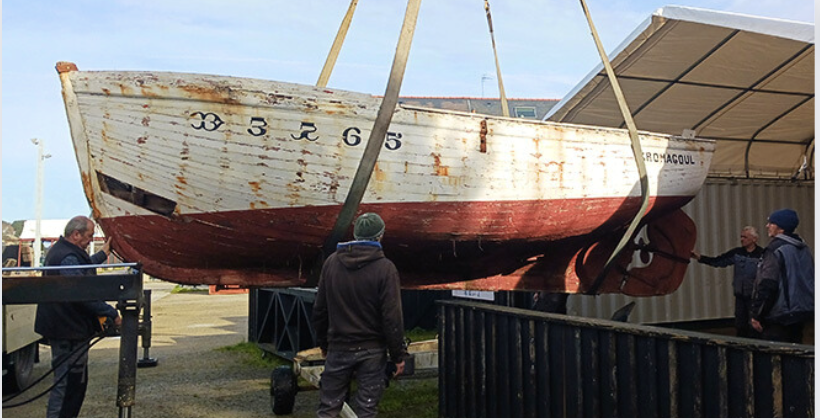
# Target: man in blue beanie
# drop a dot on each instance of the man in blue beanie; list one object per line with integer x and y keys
{"x": 784, "y": 287}
{"x": 358, "y": 321}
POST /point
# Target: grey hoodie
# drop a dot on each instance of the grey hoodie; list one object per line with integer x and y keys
{"x": 358, "y": 305}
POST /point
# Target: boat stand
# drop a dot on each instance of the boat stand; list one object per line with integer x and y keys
{"x": 123, "y": 287}
{"x": 309, "y": 365}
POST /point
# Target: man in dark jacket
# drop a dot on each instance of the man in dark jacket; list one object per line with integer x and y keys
{"x": 357, "y": 317}
{"x": 69, "y": 326}
{"x": 784, "y": 288}
{"x": 744, "y": 258}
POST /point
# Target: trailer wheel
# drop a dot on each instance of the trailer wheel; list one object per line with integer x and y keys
{"x": 21, "y": 368}
{"x": 283, "y": 389}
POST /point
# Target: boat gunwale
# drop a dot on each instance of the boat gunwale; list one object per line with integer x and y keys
{"x": 326, "y": 92}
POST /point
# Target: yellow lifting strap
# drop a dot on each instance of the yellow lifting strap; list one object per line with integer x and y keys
{"x": 376, "y": 140}
{"x": 505, "y": 110}
{"x": 337, "y": 45}
{"x": 636, "y": 151}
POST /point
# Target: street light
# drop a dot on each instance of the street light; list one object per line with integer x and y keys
{"x": 38, "y": 200}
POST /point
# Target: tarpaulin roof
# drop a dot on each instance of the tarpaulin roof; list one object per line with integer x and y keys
{"x": 745, "y": 81}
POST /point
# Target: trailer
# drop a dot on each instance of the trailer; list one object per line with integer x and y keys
{"x": 20, "y": 345}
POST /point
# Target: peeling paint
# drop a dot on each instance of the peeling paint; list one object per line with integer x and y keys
{"x": 438, "y": 168}
{"x": 255, "y": 187}
{"x": 482, "y": 134}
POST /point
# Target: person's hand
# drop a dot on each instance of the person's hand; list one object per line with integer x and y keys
{"x": 107, "y": 246}
{"x": 756, "y": 325}
{"x": 399, "y": 369}
{"x": 695, "y": 255}
{"x": 118, "y": 321}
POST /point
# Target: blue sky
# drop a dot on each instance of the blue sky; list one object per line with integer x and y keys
{"x": 544, "y": 49}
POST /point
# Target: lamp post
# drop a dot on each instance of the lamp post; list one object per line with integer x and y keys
{"x": 38, "y": 202}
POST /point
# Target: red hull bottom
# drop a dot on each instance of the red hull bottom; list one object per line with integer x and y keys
{"x": 478, "y": 246}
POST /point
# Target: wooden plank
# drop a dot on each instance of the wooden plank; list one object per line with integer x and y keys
{"x": 627, "y": 376}
{"x": 764, "y": 389}
{"x": 575, "y": 380}
{"x": 558, "y": 375}
{"x": 798, "y": 387}
{"x": 503, "y": 379}
{"x": 777, "y": 386}
{"x": 493, "y": 373}
{"x": 529, "y": 370}
{"x": 647, "y": 377}
{"x": 482, "y": 394}
{"x": 609, "y": 378}
{"x": 543, "y": 368}
{"x": 515, "y": 364}
{"x": 591, "y": 373}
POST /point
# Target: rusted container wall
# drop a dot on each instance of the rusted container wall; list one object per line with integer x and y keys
{"x": 506, "y": 362}
{"x": 720, "y": 210}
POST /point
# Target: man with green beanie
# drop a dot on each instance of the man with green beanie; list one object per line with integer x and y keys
{"x": 784, "y": 287}
{"x": 358, "y": 321}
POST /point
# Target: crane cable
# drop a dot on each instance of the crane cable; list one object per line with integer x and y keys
{"x": 330, "y": 62}
{"x": 377, "y": 135}
{"x": 636, "y": 151}
{"x": 505, "y": 109}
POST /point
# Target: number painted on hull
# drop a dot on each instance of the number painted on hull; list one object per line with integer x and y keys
{"x": 258, "y": 126}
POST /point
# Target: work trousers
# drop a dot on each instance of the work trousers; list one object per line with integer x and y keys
{"x": 743, "y": 308}
{"x": 368, "y": 367}
{"x": 786, "y": 333}
{"x": 68, "y": 393}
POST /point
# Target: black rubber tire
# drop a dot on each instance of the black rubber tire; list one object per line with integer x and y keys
{"x": 21, "y": 369}
{"x": 283, "y": 389}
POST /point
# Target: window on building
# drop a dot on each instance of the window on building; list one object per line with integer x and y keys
{"x": 525, "y": 112}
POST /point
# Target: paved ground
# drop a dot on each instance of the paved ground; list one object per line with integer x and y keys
{"x": 192, "y": 378}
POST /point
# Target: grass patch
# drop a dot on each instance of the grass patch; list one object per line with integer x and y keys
{"x": 417, "y": 398}
{"x": 188, "y": 289}
{"x": 417, "y": 334}
{"x": 252, "y": 355}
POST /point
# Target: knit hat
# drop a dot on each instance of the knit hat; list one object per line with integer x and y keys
{"x": 369, "y": 226}
{"x": 786, "y": 219}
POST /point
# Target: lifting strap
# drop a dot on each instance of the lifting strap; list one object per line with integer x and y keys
{"x": 636, "y": 151}
{"x": 505, "y": 110}
{"x": 377, "y": 135}
{"x": 337, "y": 45}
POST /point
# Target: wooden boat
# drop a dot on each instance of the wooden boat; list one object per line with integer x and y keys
{"x": 221, "y": 180}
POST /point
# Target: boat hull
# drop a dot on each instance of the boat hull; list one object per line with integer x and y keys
{"x": 217, "y": 180}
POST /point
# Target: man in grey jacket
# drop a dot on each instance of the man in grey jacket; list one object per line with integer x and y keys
{"x": 357, "y": 317}
{"x": 744, "y": 259}
{"x": 784, "y": 288}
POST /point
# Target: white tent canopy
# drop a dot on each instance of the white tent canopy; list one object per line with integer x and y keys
{"x": 745, "y": 81}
